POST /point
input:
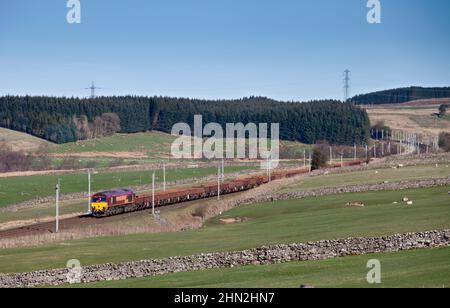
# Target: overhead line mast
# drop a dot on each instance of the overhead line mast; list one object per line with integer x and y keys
{"x": 93, "y": 88}
{"x": 347, "y": 76}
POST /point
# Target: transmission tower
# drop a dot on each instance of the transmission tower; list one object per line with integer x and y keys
{"x": 347, "y": 76}
{"x": 93, "y": 88}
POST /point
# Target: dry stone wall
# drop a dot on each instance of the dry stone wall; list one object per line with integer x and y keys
{"x": 260, "y": 256}
{"x": 273, "y": 195}
{"x": 326, "y": 191}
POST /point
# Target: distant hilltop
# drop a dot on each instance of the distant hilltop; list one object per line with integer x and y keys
{"x": 401, "y": 95}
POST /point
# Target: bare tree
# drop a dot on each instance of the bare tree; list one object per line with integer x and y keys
{"x": 444, "y": 141}
{"x": 111, "y": 124}
{"x": 14, "y": 161}
{"x": 443, "y": 110}
{"x": 320, "y": 155}
{"x": 201, "y": 211}
{"x": 84, "y": 128}
{"x": 106, "y": 125}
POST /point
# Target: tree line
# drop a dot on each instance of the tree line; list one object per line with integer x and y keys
{"x": 309, "y": 123}
{"x": 63, "y": 120}
{"x": 444, "y": 141}
{"x": 401, "y": 95}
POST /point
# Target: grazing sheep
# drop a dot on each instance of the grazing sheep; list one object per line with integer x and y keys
{"x": 356, "y": 204}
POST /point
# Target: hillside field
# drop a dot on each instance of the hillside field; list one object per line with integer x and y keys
{"x": 151, "y": 145}
{"x": 292, "y": 221}
{"x": 22, "y": 142}
{"x": 120, "y": 148}
{"x": 370, "y": 177}
{"x": 407, "y": 269}
{"x": 411, "y": 118}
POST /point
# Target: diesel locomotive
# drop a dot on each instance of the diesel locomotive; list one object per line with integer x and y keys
{"x": 104, "y": 201}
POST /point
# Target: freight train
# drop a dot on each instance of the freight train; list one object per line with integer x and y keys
{"x": 116, "y": 202}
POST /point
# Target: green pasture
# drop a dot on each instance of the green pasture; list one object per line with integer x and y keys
{"x": 426, "y": 268}
{"x": 291, "y": 221}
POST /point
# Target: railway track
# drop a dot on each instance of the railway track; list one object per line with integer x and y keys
{"x": 46, "y": 227}
{"x": 76, "y": 222}
{"x": 88, "y": 220}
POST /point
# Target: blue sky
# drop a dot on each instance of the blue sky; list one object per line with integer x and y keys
{"x": 284, "y": 49}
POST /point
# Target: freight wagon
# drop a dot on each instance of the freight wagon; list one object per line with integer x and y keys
{"x": 124, "y": 200}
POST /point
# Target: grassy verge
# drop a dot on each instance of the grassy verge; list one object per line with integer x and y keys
{"x": 43, "y": 211}
{"x": 267, "y": 223}
{"x": 407, "y": 269}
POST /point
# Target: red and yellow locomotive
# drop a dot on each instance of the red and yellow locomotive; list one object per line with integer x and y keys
{"x": 105, "y": 201}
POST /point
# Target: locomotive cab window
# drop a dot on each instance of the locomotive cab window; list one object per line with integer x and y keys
{"x": 98, "y": 199}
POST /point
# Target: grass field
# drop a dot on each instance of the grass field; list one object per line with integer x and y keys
{"x": 154, "y": 144}
{"x": 18, "y": 189}
{"x": 371, "y": 176}
{"x": 268, "y": 223}
{"x": 139, "y": 146}
{"x": 426, "y": 268}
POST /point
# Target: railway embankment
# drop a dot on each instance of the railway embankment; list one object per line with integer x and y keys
{"x": 275, "y": 254}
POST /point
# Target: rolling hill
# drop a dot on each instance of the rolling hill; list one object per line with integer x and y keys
{"x": 22, "y": 142}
